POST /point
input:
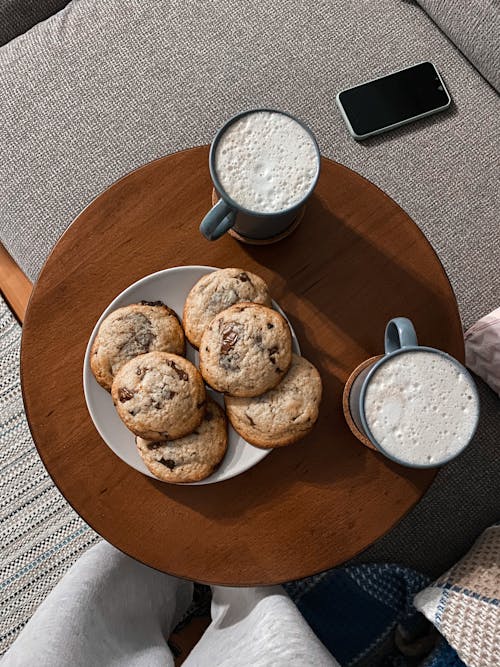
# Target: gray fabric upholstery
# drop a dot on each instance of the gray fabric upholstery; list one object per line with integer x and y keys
{"x": 104, "y": 86}
{"x": 474, "y": 27}
{"x": 17, "y": 16}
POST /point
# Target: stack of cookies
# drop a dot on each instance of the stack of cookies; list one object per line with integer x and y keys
{"x": 271, "y": 395}
{"x": 138, "y": 355}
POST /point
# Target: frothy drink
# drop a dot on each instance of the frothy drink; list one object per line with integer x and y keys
{"x": 266, "y": 162}
{"x": 421, "y": 408}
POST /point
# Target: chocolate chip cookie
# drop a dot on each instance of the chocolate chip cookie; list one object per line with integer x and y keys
{"x": 159, "y": 396}
{"x": 284, "y": 414}
{"x": 143, "y": 327}
{"x": 217, "y": 291}
{"x": 193, "y": 457}
{"x": 246, "y": 350}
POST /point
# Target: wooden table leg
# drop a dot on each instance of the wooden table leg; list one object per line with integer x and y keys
{"x": 14, "y": 285}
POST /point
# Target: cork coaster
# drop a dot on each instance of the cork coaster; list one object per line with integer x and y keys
{"x": 345, "y": 401}
{"x": 273, "y": 239}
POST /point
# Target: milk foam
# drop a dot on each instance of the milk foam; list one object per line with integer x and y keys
{"x": 421, "y": 408}
{"x": 266, "y": 161}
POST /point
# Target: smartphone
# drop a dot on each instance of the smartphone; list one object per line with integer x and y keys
{"x": 393, "y": 100}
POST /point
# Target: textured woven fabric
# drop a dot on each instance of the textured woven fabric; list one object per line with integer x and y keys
{"x": 17, "y": 16}
{"x": 40, "y": 535}
{"x": 104, "y": 86}
{"x": 365, "y": 616}
{"x": 475, "y": 28}
{"x": 464, "y": 604}
{"x": 482, "y": 349}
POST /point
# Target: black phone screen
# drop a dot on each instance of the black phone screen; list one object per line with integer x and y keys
{"x": 394, "y": 98}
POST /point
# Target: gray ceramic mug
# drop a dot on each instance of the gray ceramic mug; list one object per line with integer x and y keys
{"x": 400, "y": 337}
{"x": 228, "y": 214}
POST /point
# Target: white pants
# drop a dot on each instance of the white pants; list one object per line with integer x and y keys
{"x": 111, "y": 610}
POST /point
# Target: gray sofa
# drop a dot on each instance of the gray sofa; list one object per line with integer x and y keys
{"x": 102, "y": 87}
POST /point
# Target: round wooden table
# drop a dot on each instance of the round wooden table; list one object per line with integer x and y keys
{"x": 355, "y": 261}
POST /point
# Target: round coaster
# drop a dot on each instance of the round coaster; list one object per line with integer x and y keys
{"x": 345, "y": 401}
{"x": 273, "y": 239}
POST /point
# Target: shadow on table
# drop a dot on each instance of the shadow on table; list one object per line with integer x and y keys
{"x": 352, "y": 286}
{"x": 343, "y": 469}
{"x": 281, "y": 473}
{"x": 340, "y": 279}
{"x": 336, "y": 299}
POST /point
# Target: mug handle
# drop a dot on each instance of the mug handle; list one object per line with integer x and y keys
{"x": 217, "y": 221}
{"x": 399, "y": 333}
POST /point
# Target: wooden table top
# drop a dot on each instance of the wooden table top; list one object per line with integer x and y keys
{"x": 355, "y": 261}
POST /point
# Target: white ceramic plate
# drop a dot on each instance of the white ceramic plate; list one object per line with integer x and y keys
{"x": 172, "y": 287}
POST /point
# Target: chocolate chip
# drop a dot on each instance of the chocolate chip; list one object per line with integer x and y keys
{"x": 168, "y": 394}
{"x": 154, "y": 445}
{"x": 272, "y": 351}
{"x": 157, "y": 405}
{"x": 182, "y": 374}
{"x": 125, "y": 394}
{"x": 249, "y": 419}
{"x": 229, "y": 338}
{"x": 134, "y": 412}
{"x": 243, "y": 277}
{"x": 270, "y": 326}
{"x": 169, "y": 463}
{"x": 141, "y": 338}
{"x": 229, "y": 363}
{"x": 208, "y": 415}
{"x": 207, "y": 349}
{"x": 152, "y": 303}
{"x": 278, "y": 369}
{"x": 258, "y": 339}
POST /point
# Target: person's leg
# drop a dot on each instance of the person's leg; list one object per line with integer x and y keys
{"x": 108, "y": 610}
{"x": 257, "y": 627}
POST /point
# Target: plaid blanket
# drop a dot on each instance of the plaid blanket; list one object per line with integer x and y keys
{"x": 365, "y": 616}
{"x": 389, "y": 616}
{"x": 464, "y": 604}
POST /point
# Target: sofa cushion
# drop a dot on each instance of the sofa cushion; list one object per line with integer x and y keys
{"x": 17, "y": 16}
{"x": 474, "y": 28}
{"x": 104, "y": 86}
